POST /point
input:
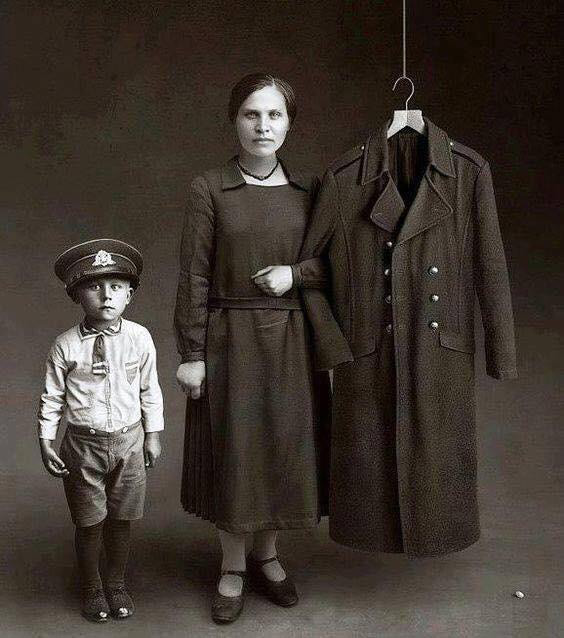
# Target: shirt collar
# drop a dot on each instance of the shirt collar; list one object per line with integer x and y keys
{"x": 231, "y": 176}
{"x": 87, "y": 332}
{"x": 376, "y": 160}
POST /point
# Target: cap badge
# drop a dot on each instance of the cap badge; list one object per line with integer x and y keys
{"x": 103, "y": 259}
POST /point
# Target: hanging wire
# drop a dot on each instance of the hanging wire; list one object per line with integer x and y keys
{"x": 403, "y": 75}
{"x": 404, "y": 45}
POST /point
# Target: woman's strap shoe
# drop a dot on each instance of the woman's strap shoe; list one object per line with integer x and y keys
{"x": 281, "y": 592}
{"x": 226, "y": 609}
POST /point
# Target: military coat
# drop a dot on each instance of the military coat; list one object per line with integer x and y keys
{"x": 409, "y": 230}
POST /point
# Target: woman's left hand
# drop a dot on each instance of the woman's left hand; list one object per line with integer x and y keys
{"x": 274, "y": 280}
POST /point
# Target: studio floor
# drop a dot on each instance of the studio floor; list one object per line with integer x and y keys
{"x": 175, "y": 557}
{"x": 343, "y": 592}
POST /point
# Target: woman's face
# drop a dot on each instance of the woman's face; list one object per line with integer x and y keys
{"x": 262, "y": 122}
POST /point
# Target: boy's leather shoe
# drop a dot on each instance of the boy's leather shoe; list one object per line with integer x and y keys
{"x": 120, "y": 602}
{"x": 94, "y": 605}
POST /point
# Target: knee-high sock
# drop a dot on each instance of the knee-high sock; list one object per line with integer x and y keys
{"x": 88, "y": 544}
{"x": 117, "y": 535}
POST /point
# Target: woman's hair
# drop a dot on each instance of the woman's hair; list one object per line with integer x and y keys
{"x": 254, "y": 82}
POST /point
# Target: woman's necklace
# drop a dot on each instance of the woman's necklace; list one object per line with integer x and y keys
{"x": 260, "y": 178}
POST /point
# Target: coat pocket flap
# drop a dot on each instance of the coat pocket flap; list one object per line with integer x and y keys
{"x": 455, "y": 341}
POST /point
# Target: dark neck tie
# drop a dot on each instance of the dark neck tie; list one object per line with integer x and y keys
{"x": 99, "y": 364}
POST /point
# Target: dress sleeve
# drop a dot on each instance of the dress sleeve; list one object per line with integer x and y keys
{"x": 492, "y": 282}
{"x": 196, "y": 264}
{"x": 53, "y": 399}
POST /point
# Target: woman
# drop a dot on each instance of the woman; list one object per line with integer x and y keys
{"x": 254, "y": 447}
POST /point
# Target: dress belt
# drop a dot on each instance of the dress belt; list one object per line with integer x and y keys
{"x": 255, "y": 303}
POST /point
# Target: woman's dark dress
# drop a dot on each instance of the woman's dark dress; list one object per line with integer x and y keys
{"x": 255, "y": 449}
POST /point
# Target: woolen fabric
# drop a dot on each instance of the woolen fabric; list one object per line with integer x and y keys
{"x": 409, "y": 230}
{"x": 256, "y": 443}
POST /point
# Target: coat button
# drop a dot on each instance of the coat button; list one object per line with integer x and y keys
{"x": 434, "y": 298}
{"x": 389, "y": 243}
{"x": 388, "y": 298}
{"x": 433, "y": 325}
{"x": 124, "y": 430}
{"x": 92, "y": 431}
{"x": 433, "y": 270}
{"x": 389, "y": 328}
{"x": 387, "y": 272}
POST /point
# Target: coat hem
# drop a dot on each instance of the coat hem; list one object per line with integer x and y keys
{"x": 387, "y": 549}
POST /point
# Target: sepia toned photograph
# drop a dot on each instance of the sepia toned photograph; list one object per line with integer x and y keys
{"x": 282, "y": 334}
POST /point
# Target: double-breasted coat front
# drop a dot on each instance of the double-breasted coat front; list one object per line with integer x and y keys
{"x": 409, "y": 229}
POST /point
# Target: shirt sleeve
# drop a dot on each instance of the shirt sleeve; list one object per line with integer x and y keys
{"x": 150, "y": 391}
{"x": 52, "y": 402}
{"x": 492, "y": 282}
{"x": 196, "y": 262}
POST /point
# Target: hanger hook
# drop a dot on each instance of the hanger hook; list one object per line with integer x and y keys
{"x": 404, "y": 77}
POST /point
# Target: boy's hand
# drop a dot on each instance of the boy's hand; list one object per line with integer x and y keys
{"x": 151, "y": 448}
{"x": 51, "y": 460}
{"x": 192, "y": 378}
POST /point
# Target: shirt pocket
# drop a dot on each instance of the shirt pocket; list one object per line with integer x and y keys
{"x": 131, "y": 369}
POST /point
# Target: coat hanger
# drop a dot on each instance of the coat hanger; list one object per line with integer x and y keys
{"x": 406, "y": 118}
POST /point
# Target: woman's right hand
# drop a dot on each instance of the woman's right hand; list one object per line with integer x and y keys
{"x": 192, "y": 378}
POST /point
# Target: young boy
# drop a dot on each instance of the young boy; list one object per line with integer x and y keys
{"x": 101, "y": 379}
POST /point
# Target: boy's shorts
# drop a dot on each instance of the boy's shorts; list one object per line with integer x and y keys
{"x": 107, "y": 474}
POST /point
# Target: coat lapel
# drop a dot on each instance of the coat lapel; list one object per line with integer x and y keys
{"x": 432, "y": 202}
{"x": 429, "y": 207}
{"x": 389, "y": 207}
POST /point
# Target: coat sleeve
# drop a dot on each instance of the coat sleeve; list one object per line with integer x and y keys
{"x": 492, "y": 282}
{"x": 330, "y": 347}
{"x": 196, "y": 263}
{"x": 311, "y": 273}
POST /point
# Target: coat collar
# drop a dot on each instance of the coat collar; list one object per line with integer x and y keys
{"x": 432, "y": 201}
{"x": 231, "y": 176}
{"x": 376, "y": 161}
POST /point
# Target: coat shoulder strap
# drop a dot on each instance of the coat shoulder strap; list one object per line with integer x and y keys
{"x": 347, "y": 158}
{"x": 467, "y": 152}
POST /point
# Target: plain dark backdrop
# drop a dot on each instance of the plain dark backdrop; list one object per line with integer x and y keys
{"x": 108, "y": 110}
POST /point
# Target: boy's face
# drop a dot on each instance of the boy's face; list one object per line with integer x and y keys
{"x": 104, "y": 299}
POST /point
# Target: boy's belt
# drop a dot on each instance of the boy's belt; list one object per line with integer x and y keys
{"x": 255, "y": 303}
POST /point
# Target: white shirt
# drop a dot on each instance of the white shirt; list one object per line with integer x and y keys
{"x": 107, "y": 395}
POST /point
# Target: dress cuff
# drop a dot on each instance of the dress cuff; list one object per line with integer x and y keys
{"x": 199, "y": 355}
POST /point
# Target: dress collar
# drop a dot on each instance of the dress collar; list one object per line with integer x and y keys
{"x": 231, "y": 176}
